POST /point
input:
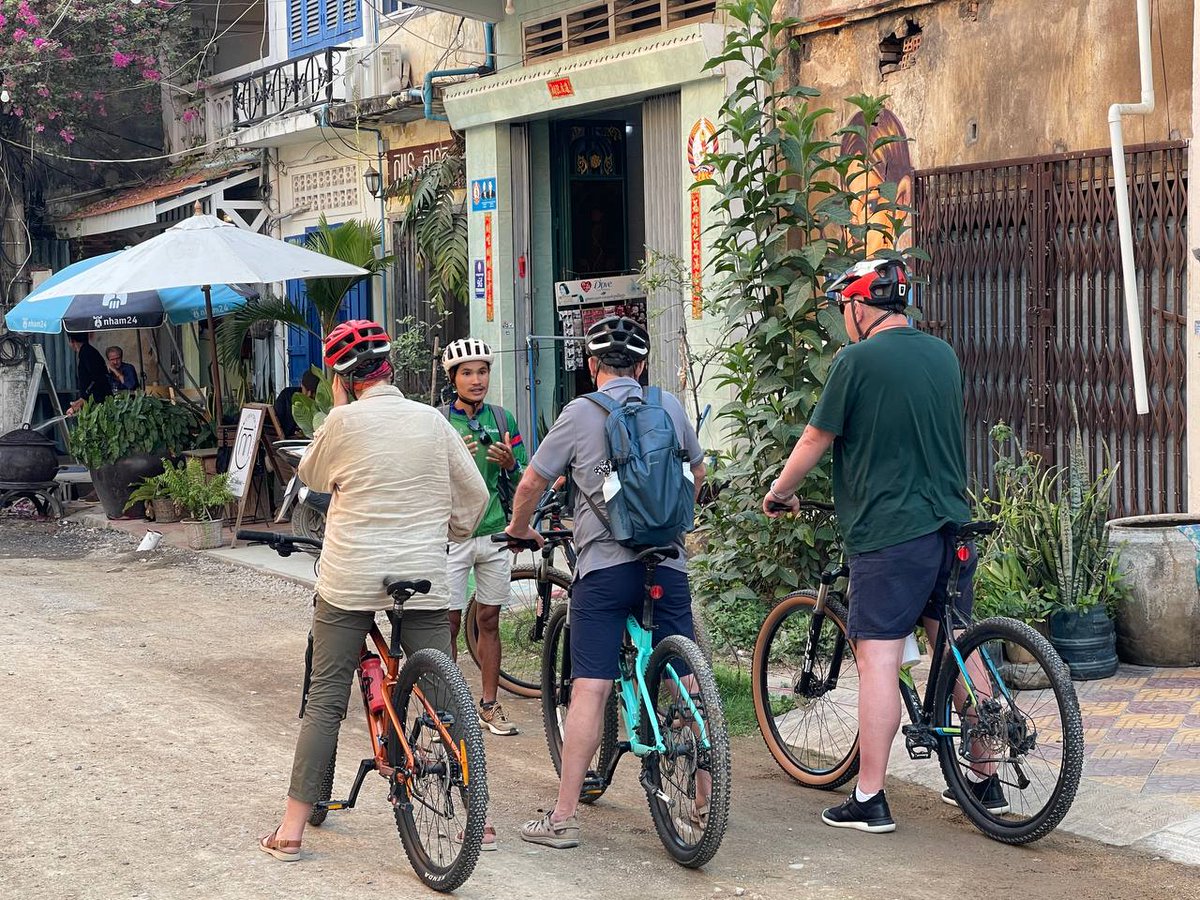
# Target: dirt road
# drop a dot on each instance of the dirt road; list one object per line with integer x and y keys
{"x": 147, "y": 722}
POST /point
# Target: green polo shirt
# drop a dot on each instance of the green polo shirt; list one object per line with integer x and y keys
{"x": 899, "y": 465}
{"x": 493, "y": 521}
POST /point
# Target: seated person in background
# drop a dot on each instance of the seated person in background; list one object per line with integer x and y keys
{"x": 283, "y": 404}
{"x": 122, "y": 376}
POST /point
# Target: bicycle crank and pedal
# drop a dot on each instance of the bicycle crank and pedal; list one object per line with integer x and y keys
{"x": 367, "y": 765}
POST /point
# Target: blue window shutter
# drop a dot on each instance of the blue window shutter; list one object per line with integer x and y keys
{"x": 316, "y": 24}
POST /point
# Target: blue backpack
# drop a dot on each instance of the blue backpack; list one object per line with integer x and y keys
{"x": 650, "y": 501}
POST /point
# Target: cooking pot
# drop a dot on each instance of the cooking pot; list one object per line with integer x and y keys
{"x": 27, "y": 456}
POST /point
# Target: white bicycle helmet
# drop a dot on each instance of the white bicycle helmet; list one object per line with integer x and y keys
{"x": 464, "y": 351}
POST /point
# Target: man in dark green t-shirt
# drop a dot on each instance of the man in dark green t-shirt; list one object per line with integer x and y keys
{"x": 491, "y": 435}
{"x": 892, "y": 410}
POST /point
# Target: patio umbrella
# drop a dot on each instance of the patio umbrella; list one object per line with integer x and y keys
{"x": 47, "y": 311}
{"x": 200, "y": 252}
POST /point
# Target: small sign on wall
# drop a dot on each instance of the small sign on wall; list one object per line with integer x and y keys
{"x": 480, "y": 280}
{"x": 560, "y": 87}
{"x": 483, "y": 194}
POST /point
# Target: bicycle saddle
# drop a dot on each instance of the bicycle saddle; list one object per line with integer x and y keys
{"x": 975, "y": 529}
{"x": 659, "y": 553}
{"x": 398, "y": 589}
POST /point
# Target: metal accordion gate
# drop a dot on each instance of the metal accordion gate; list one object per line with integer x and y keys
{"x": 1025, "y": 283}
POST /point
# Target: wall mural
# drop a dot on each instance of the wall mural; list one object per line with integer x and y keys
{"x": 888, "y": 163}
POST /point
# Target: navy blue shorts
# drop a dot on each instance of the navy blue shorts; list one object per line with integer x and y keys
{"x": 603, "y": 598}
{"x": 893, "y": 588}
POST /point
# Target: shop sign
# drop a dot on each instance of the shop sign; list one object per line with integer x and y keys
{"x": 483, "y": 194}
{"x": 404, "y": 161}
{"x": 702, "y": 141}
{"x": 560, "y": 87}
{"x": 489, "y": 299}
{"x": 697, "y": 257}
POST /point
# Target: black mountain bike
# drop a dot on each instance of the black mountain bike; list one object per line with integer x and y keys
{"x": 980, "y": 714}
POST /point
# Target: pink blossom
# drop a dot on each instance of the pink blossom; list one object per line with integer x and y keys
{"x": 39, "y": 43}
{"x": 190, "y": 115}
{"x": 68, "y": 135}
{"x": 39, "y": 127}
{"x": 20, "y": 34}
{"x": 18, "y": 111}
{"x": 53, "y": 114}
{"x": 3, "y": 20}
{"x": 76, "y": 95}
{"x": 103, "y": 112}
{"x": 66, "y": 54}
{"x": 151, "y": 74}
{"x": 43, "y": 91}
{"x": 118, "y": 28}
{"x": 148, "y": 61}
{"x": 26, "y": 13}
{"x": 120, "y": 60}
{"x": 97, "y": 95}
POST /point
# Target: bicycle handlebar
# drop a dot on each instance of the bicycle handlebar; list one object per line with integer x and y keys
{"x": 551, "y": 537}
{"x": 815, "y": 505}
{"x": 283, "y": 544}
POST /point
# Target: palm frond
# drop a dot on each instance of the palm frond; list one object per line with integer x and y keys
{"x": 232, "y": 330}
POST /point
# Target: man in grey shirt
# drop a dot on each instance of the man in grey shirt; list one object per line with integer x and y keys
{"x": 609, "y": 579}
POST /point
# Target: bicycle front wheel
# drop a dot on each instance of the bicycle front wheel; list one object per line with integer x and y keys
{"x": 1017, "y": 722}
{"x": 441, "y": 807}
{"x": 556, "y": 698}
{"x": 320, "y": 812}
{"x": 688, "y": 783}
{"x": 520, "y": 652}
{"x": 810, "y": 726}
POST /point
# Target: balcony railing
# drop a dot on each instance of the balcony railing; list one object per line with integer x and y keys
{"x": 291, "y": 86}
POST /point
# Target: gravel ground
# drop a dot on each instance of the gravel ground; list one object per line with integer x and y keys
{"x": 147, "y": 724}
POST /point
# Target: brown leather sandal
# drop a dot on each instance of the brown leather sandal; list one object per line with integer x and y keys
{"x": 281, "y": 850}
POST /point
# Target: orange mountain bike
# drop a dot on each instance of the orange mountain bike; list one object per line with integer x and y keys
{"x": 425, "y": 741}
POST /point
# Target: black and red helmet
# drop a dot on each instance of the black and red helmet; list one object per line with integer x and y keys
{"x": 876, "y": 282}
{"x": 357, "y": 349}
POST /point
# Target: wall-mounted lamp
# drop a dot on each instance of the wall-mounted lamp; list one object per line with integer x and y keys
{"x": 509, "y": 9}
{"x": 372, "y": 179}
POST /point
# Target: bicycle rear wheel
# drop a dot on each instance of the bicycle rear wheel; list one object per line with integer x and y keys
{"x": 520, "y": 654}
{"x": 687, "y": 785}
{"x": 319, "y": 813}
{"x": 1021, "y": 722}
{"x": 440, "y": 809}
{"x": 811, "y": 730}
{"x": 556, "y": 697}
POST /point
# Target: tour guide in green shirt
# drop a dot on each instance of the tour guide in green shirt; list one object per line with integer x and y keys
{"x": 892, "y": 410}
{"x": 492, "y": 437}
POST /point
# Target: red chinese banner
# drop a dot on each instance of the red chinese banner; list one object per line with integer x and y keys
{"x": 560, "y": 87}
{"x": 489, "y": 300}
{"x": 697, "y": 258}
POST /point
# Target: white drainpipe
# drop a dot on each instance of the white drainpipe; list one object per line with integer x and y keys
{"x": 1133, "y": 317}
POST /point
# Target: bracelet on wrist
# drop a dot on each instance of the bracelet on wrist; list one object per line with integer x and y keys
{"x": 782, "y": 498}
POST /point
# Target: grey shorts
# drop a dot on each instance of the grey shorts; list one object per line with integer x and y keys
{"x": 893, "y": 588}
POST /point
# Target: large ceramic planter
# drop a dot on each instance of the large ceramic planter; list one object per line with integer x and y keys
{"x": 115, "y": 482}
{"x": 1159, "y": 623}
{"x": 1086, "y": 642}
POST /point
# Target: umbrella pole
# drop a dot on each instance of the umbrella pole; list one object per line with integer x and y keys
{"x": 141, "y": 362}
{"x": 215, "y": 367}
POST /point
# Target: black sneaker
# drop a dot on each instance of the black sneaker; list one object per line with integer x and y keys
{"x": 989, "y": 793}
{"x": 872, "y": 816}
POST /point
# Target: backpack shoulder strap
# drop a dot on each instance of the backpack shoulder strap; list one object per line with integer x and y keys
{"x": 601, "y": 399}
{"x": 500, "y": 417}
{"x": 654, "y": 395}
{"x": 444, "y": 409}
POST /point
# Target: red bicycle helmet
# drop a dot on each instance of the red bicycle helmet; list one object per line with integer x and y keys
{"x": 876, "y": 282}
{"x": 358, "y": 348}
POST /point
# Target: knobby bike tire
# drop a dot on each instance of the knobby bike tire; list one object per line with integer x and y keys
{"x": 319, "y": 813}
{"x": 1036, "y": 810}
{"x": 556, "y": 652}
{"x": 816, "y": 718}
{"x": 522, "y": 680}
{"x": 308, "y": 522}
{"x": 685, "y": 751}
{"x": 434, "y": 669}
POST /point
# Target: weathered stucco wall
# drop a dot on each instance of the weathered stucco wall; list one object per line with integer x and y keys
{"x": 1032, "y": 77}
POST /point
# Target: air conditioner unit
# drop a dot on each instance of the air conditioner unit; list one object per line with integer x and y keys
{"x": 376, "y": 72}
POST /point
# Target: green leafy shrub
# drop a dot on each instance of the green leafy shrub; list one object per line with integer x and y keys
{"x": 785, "y": 222}
{"x": 201, "y": 495}
{"x": 126, "y": 424}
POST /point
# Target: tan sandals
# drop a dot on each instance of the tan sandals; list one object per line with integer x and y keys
{"x": 284, "y": 851}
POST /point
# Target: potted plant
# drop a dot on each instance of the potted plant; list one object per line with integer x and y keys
{"x": 153, "y": 491}
{"x": 1051, "y": 555}
{"x": 203, "y": 497}
{"x": 123, "y": 439}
